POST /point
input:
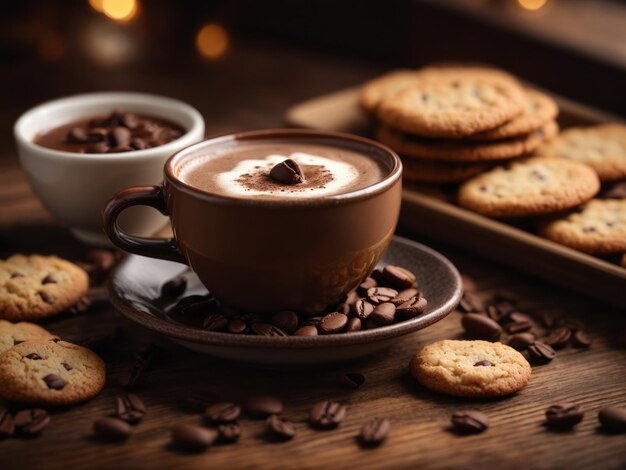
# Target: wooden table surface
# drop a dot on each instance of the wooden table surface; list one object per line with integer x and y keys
{"x": 419, "y": 438}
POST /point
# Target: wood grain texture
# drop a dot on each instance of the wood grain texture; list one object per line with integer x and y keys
{"x": 418, "y": 439}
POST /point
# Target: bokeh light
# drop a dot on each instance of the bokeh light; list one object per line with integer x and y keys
{"x": 96, "y": 5}
{"x": 212, "y": 41}
{"x": 107, "y": 44}
{"x": 532, "y": 4}
{"x": 118, "y": 10}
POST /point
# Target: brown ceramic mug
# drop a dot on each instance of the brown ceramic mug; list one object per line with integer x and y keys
{"x": 270, "y": 255}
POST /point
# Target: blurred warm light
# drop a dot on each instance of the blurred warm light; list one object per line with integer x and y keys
{"x": 96, "y": 5}
{"x": 118, "y": 10}
{"x": 532, "y": 4}
{"x": 107, "y": 44}
{"x": 212, "y": 41}
{"x": 51, "y": 47}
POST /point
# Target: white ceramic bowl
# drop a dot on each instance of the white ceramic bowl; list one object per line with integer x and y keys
{"x": 74, "y": 187}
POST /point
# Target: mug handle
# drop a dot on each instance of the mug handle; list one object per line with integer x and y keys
{"x": 152, "y": 196}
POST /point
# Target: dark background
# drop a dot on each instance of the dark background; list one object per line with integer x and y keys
{"x": 50, "y": 49}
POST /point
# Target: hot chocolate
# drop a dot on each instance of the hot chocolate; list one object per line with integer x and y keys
{"x": 244, "y": 172}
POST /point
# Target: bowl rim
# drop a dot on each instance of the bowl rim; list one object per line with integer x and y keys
{"x": 123, "y": 97}
{"x": 180, "y": 331}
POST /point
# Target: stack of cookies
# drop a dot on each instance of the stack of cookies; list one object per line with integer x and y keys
{"x": 451, "y": 123}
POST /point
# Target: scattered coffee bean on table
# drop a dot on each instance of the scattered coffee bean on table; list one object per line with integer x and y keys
{"x": 469, "y": 422}
{"x": 558, "y": 338}
{"x": 31, "y": 422}
{"x": 223, "y": 412}
{"x": 564, "y": 415}
{"x": 192, "y": 438}
{"x": 281, "y": 427}
{"x": 229, "y": 432}
{"x": 374, "y": 432}
{"x": 112, "y": 429}
{"x": 521, "y": 341}
{"x": 263, "y": 406}
{"x": 541, "y": 353}
{"x": 174, "y": 287}
{"x": 613, "y": 419}
{"x": 481, "y": 327}
{"x": 580, "y": 339}
{"x": 471, "y": 303}
{"x": 327, "y": 414}
{"x": 7, "y": 425}
{"x": 130, "y": 408}
{"x": 352, "y": 380}
{"x": 199, "y": 400}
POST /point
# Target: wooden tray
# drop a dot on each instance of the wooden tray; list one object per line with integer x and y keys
{"x": 440, "y": 220}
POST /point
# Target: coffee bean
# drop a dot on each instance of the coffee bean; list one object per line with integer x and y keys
{"x": 236, "y": 326}
{"x": 374, "y": 432}
{"x": 406, "y": 295}
{"x": 54, "y": 382}
{"x": 352, "y": 380}
{"x": 76, "y": 135}
{"x": 351, "y": 297}
{"x": 111, "y": 429}
{"x": 214, "y": 322}
{"x": 581, "y": 339}
{"x": 7, "y": 425}
{"x": 362, "y": 309}
{"x": 281, "y": 427}
{"x": 130, "y": 120}
{"x": 367, "y": 284}
{"x": 98, "y": 134}
{"x": 613, "y": 419}
{"x": 541, "y": 353}
{"x": 411, "y": 308}
{"x": 31, "y": 422}
{"x": 308, "y": 330}
{"x": 470, "y": 303}
{"x": 174, "y": 287}
{"x": 379, "y": 295}
{"x": 288, "y": 172}
{"x": 493, "y": 313}
{"x": 469, "y": 422}
{"x": 265, "y": 329}
{"x": 505, "y": 308}
{"x": 480, "y": 327}
{"x": 517, "y": 327}
{"x": 192, "y": 438}
{"x": 483, "y": 364}
{"x": 549, "y": 318}
{"x": 286, "y": 321}
{"x": 130, "y": 408}
{"x": 354, "y": 324}
{"x": 521, "y": 341}
{"x": 572, "y": 323}
{"x": 518, "y": 317}
{"x": 398, "y": 277}
{"x": 312, "y": 321}
{"x": 222, "y": 412}
{"x": 333, "y": 323}
{"x": 564, "y": 415}
{"x": 119, "y": 137}
{"x": 229, "y": 432}
{"x": 327, "y": 414}
{"x": 384, "y": 314}
{"x": 138, "y": 144}
{"x": 263, "y": 406}
{"x": 558, "y": 338}
{"x": 98, "y": 147}
{"x": 200, "y": 400}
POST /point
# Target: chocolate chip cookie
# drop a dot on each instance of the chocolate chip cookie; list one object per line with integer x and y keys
{"x": 471, "y": 368}
{"x": 12, "y": 334}
{"x": 453, "y": 106}
{"x": 599, "y": 228}
{"x": 375, "y": 91}
{"x": 50, "y": 372}
{"x": 34, "y": 287}
{"x": 431, "y": 171}
{"x": 534, "y": 186}
{"x": 466, "y": 150}
{"x": 601, "y": 147}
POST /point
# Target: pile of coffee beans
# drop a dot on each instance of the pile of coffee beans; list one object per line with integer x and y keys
{"x": 389, "y": 295}
{"x": 501, "y": 320}
{"x": 122, "y": 132}
{"x": 129, "y": 411}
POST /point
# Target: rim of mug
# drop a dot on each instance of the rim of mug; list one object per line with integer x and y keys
{"x": 395, "y": 173}
{"x": 89, "y": 99}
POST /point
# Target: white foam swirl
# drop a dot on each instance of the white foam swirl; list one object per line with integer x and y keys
{"x": 344, "y": 176}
